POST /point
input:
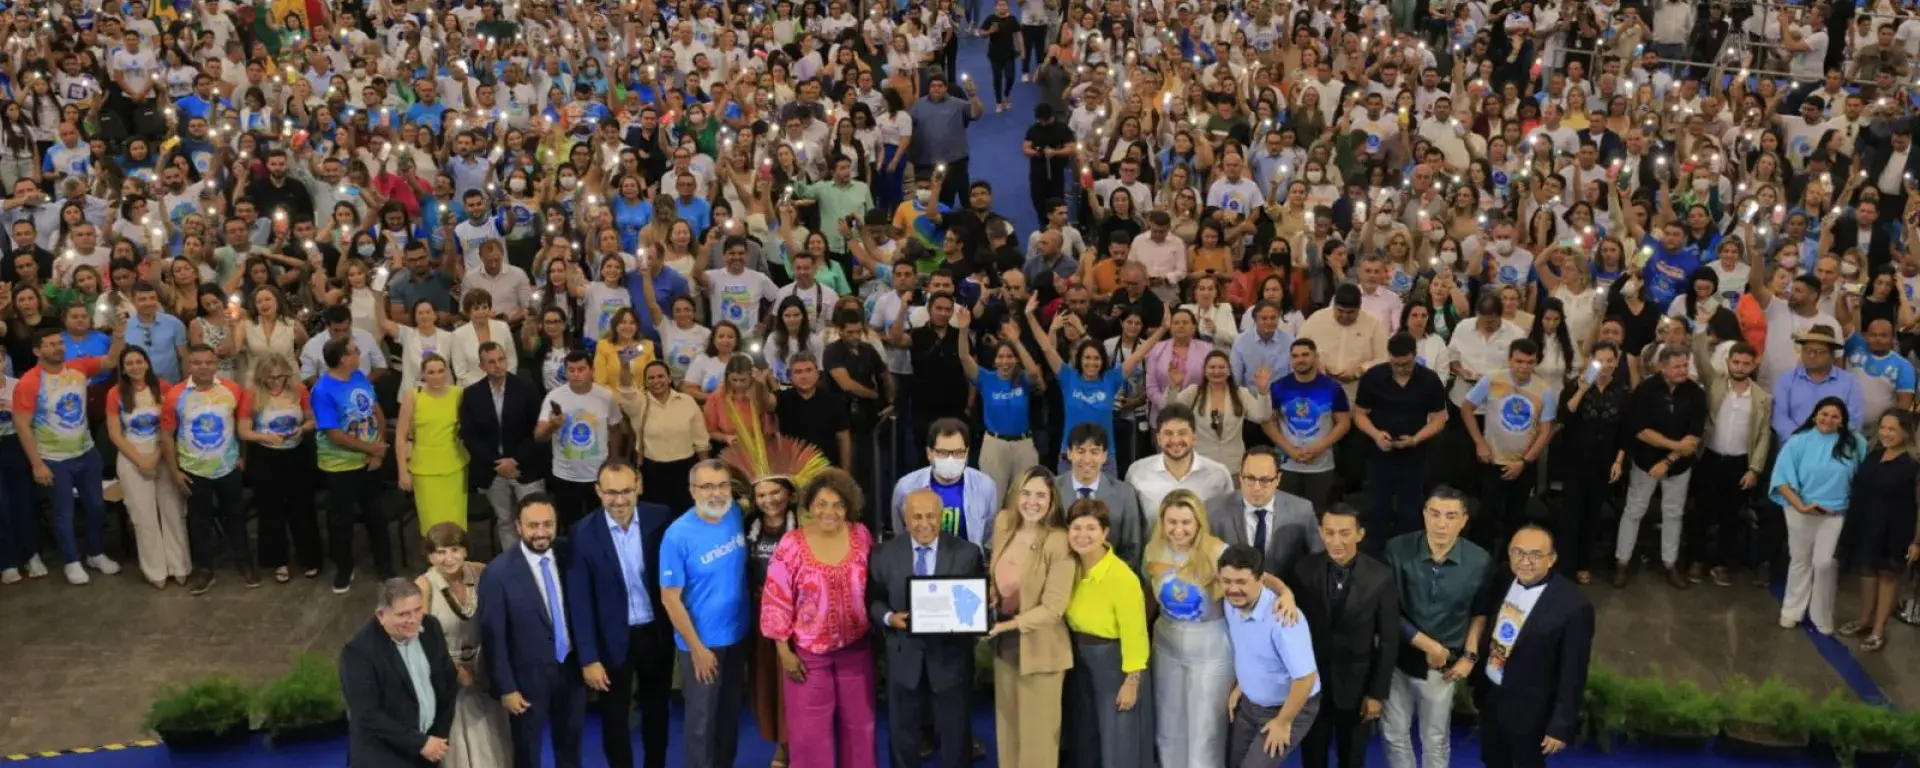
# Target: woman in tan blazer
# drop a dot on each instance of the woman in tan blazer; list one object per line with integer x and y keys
{"x": 1031, "y": 573}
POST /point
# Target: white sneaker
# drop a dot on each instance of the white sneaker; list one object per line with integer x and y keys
{"x": 35, "y": 568}
{"x": 76, "y": 574}
{"x": 1787, "y": 623}
{"x": 10, "y": 576}
{"x": 103, "y": 564}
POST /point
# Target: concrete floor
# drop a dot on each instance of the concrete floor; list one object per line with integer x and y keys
{"x": 79, "y": 665}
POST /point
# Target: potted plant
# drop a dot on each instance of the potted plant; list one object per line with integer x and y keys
{"x": 1603, "y": 711}
{"x": 304, "y": 705}
{"x": 1769, "y": 720}
{"x": 1854, "y": 734}
{"x": 207, "y": 714}
{"x": 1678, "y": 716}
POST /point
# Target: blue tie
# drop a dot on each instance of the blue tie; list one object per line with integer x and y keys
{"x": 920, "y": 565}
{"x": 560, "y": 644}
{"x": 1260, "y": 530}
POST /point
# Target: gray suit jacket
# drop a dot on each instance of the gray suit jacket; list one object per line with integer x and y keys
{"x": 1292, "y": 528}
{"x": 1129, "y": 525}
{"x": 948, "y": 661}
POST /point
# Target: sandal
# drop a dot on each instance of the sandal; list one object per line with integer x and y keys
{"x": 281, "y": 576}
{"x": 1853, "y": 629}
{"x": 311, "y": 573}
{"x": 1873, "y": 643}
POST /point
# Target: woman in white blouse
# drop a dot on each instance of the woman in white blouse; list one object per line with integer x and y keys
{"x": 1214, "y": 315}
{"x": 416, "y": 341}
{"x": 267, "y": 332}
{"x": 896, "y": 134}
{"x": 1221, "y": 406}
{"x": 481, "y": 328}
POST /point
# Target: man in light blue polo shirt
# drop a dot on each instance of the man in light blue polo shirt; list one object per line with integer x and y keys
{"x": 1262, "y": 346}
{"x": 163, "y": 336}
{"x": 940, "y": 137}
{"x": 703, "y": 585}
{"x": 1276, "y": 689}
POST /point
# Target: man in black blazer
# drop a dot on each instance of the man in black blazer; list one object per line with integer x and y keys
{"x": 924, "y": 674}
{"x": 624, "y": 632}
{"x": 524, "y": 625}
{"x": 497, "y": 416}
{"x": 1352, "y": 608}
{"x": 399, "y": 684}
{"x": 1869, "y": 230}
{"x": 1536, "y": 657}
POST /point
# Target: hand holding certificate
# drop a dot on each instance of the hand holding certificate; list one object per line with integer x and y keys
{"x": 943, "y": 606}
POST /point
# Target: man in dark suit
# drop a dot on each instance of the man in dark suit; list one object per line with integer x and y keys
{"x": 924, "y": 674}
{"x": 1353, "y": 610}
{"x": 497, "y": 417}
{"x": 1279, "y": 524}
{"x": 1537, "y": 657}
{"x": 399, "y": 684}
{"x": 524, "y": 627}
{"x": 1868, "y": 230}
{"x": 1087, "y": 452}
{"x": 624, "y": 632}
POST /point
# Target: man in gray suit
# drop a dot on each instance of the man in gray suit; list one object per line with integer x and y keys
{"x": 1281, "y": 525}
{"x": 1087, "y": 453}
{"x": 925, "y": 674}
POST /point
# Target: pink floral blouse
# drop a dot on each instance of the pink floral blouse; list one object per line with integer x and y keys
{"x": 821, "y": 607}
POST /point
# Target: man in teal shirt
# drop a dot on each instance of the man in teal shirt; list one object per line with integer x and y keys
{"x": 839, "y": 199}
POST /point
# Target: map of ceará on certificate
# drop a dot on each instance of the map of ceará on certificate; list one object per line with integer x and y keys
{"x": 949, "y": 606}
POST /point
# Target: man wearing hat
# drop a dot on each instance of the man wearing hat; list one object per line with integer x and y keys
{"x": 1814, "y": 379}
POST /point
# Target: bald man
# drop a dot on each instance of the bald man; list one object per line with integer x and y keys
{"x": 923, "y": 669}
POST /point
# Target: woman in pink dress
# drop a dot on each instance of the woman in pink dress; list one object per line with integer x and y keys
{"x": 814, "y": 610}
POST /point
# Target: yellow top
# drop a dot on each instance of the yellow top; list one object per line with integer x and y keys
{"x": 1109, "y": 603}
{"x": 606, "y": 363}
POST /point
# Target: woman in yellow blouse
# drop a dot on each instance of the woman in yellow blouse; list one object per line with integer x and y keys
{"x": 623, "y": 346}
{"x": 671, "y": 430}
{"x": 1031, "y": 577}
{"x": 1109, "y": 707}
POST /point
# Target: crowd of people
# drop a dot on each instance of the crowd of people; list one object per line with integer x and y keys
{"x": 701, "y": 316}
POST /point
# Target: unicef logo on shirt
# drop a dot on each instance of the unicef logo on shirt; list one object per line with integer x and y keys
{"x": 69, "y": 411}
{"x": 580, "y": 434}
{"x": 1302, "y": 418}
{"x": 144, "y": 424}
{"x": 207, "y": 431}
{"x": 1516, "y": 413}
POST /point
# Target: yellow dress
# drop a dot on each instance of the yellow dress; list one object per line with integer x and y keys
{"x": 439, "y": 461}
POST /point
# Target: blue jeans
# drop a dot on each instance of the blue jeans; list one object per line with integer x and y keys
{"x": 80, "y": 473}
{"x": 19, "y": 518}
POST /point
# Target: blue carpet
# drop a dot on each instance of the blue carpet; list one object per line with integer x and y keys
{"x": 994, "y": 142}
{"x": 755, "y": 753}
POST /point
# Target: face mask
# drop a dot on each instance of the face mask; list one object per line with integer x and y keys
{"x": 1630, "y": 290}
{"x": 567, "y": 182}
{"x": 920, "y": 197}
{"x": 517, "y": 186}
{"x": 1383, "y": 220}
{"x": 1449, "y": 256}
{"x": 1849, "y": 268}
{"x": 949, "y": 468}
{"x": 1503, "y": 246}
{"x": 365, "y": 250}
{"x": 1701, "y": 186}
{"x": 1315, "y": 177}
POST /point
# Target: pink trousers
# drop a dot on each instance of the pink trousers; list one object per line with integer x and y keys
{"x": 830, "y": 716}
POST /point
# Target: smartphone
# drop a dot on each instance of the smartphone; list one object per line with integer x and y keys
{"x": 554, "y": 407}
{"x": 1593, "y": 372}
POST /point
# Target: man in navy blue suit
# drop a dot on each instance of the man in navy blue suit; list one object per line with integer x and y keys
{"x": 530, "y": 645}
{"x": 625, "y": 644}
{"x": 1537, "y": 657}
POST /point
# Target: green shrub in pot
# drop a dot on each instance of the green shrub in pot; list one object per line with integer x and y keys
{"x": 1771, "y": 712}
{"x": 216, "y": 705}
{"x": 1657, "y": 708}
{"x": 1603, "y": 707}
{"x": 308, "y": 696}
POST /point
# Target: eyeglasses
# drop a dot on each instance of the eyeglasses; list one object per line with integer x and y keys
{"x": 959, "y": 454}
{"x": 1259, "y": 479}
{"x": 619, "y": 492}
{"x": 712, "y": 487}
{"x": 1527, "y": 555}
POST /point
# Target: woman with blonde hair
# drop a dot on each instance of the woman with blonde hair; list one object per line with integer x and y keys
{"x": 276, "y": 417}
{"x": 479, "y": 737}
{"x": 1031, "y": 576}
{"x": 431, "y": 461}
{"x": 1193, "y": 662}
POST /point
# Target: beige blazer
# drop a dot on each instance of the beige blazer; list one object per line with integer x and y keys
{"x": 1045, "y": 590}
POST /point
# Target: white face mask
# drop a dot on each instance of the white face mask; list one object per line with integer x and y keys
{"x": 1849, "y": 268}
{"x": 1503, "y": 246}
{"x": 949, "y": 469}
{"x": 567, "y": 182}
{"x": 920, "y": 197}
{"x": 1383, "y": 220}
{"x": 1630, "y": 290}
{"x": 517, "y": 186}
{"x": 1702, "y": 185}
{"x": 1315, "y": 177}
{"x": 1449, "y": 256}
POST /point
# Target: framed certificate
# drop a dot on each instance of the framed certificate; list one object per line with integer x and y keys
{"x": 947, "y": 606}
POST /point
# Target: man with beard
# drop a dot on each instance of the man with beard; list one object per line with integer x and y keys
{"x": 278, "y": 192}
{"x": 703, "y": 586}
{"x": 1176, "y": 466}
{"x": 623, "y": 627}
{"x": 524, "y": 625}
{"x": 1734, "y": 462}
{"x": 49, "y": 414}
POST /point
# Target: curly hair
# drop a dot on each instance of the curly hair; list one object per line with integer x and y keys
{"x": 837, "y": 482}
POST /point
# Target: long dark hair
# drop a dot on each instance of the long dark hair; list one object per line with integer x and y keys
{"x": 1845, "y": 447}
{"x": 779, "y": 336}
{"x": 1539, "y": 332}
{"x": 127, "y": 395}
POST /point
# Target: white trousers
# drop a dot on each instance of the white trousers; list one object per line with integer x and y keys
{"x": 1811, "y": 572}
{"x": 1673, "y": 504}
{"x": 1430, "y": 699}
{"x": 1192, "y": 678}
{"x": 159, "y": 513}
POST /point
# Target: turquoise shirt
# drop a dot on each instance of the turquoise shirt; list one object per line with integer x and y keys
{"x": 1807, "y": 465}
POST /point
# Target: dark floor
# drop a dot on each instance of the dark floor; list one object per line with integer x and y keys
{"x": 81, "y": 664}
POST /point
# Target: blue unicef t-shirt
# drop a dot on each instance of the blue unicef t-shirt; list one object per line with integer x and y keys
{"x": 1306, "y": 410}
{"x": 1667, "y": 272}
{"x": 1892, "y": 367}
{"x": 1004, "y": 403}
{"x": 708, "y": 563}
{"x": 1089, "y": 402}
{"x": 953, "y": 506}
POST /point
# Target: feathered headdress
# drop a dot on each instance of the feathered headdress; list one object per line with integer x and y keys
{"x": 778, "y": 457}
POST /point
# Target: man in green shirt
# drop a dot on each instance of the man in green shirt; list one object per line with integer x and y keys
{"x": 1441, "y": 579}
{"x": 839, "y": 198}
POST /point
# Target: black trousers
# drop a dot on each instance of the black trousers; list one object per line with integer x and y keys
{"x": 1005, "y": 74}
{"x": 572, "y": 500}
{"x": 1501, "y": 747}
{"x": 1396, "y": 495}
{"x": 283, "y": 500}
{"x": 222, "y": 498}
{"x": 665, "y": 483}
{"x": 1036, "y": 46}
{"x": 1718, "y": 502}
{"x": 354, "y": 496}
{"x": 909, "y": 705}
{"x": 1503, "y": 506}
{"x": 564, "y": 707}
{"x": 1577, "y": 528}
{"x": 1340, "y": 729}
{"x": 643, "y": 678}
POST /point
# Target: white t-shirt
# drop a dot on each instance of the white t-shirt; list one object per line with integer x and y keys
{"x": 582, "y": 445}
{"x": 1235, "y": 196}
{"x": 1783, "y": 324}
{"x": 1807, "y": 65}
{"x": 603, "y": 301}
{"x": 706, "y": 373}
{"x": 137, "y": 67}
{"x": 736, "y": 298}
{"x": 679, "y": 348}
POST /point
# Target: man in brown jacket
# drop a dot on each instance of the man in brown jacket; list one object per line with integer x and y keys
{"x": 1733, "y": 463}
